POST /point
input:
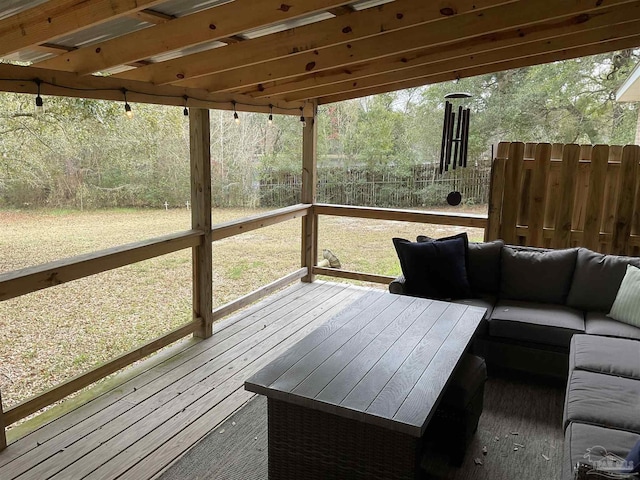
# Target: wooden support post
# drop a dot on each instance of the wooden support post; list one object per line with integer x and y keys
{"x": 309, "y": 250}
{"x": 200, "y": 142}
{"x": 3, "y": 432}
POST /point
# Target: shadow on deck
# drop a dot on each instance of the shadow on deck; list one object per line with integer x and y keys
{"x": 146, "y": 421}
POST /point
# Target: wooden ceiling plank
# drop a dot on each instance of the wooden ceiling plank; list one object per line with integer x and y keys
{"x": 208, "y": 25}
{"x": 497, "y": 19}
{"x": 46, "y": 22}
{"x": 534, "y": 49}
{"x": 476, "y": 45}
{"x": 151, "y": 16}
{"x": 20, "y": 79}
{"x": 52, "y": 48}
{"x": 621, "y": 44}
{"x": 347, "y": 28}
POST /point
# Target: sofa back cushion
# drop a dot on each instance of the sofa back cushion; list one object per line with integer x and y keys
{"x": 597, "y": 279}
{"x": 483, "y": 269}
{"x": 536, "y": 274}
{"x": 483, "y": 265}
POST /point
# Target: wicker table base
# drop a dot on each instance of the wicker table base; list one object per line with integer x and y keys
{"x": 309, "y": 444}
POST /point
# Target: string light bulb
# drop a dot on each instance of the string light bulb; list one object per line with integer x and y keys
{"x": 39, "y": 102}
{"x": 270, "y": 114}
{"x": 127, "y": 108}
{"x": 235, "y": 114}
{"x": 302, "y": 119}
{"x": 185, "y": 112}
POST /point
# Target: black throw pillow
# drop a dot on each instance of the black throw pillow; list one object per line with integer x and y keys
{"x": 434, "y": 269}
{"x": 463, "y": 236}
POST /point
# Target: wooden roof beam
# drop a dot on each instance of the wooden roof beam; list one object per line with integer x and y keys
{"x": 458, "y": 27}
{"x": 208, "y": 25}
{"x": 605, "y": 19}
{"x": 19, "y": 79}
{"x": 514, "y": 53}
{"x": 46, "y": 22}
{"x": 603, "y": 47}
{"x": 335, "y": 31}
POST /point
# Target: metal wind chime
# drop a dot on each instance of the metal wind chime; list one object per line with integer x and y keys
{"x": 454, "y": 148}
{"x": 454, "y": 145}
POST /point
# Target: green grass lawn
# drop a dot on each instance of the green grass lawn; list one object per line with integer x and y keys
{"x": 54, "y": 334}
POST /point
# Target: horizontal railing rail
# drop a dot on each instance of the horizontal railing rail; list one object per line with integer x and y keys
{"x": 351, "y": 275}
{"x": 31, "y": 279}
{"x": 418, "y": 216}
{"x": 436, "y": 218}
{"x": 247, "y": 224}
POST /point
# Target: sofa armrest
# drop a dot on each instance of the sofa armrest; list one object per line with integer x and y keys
{"x": 397, "y": 286}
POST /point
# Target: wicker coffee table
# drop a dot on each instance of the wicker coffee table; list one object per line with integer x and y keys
{"x": 353, "y": 398}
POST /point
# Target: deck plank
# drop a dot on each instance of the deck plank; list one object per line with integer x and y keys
{"x": 145, "y": 423}
{"x": 83, "y": 412}
{"x": 171, "y": 383}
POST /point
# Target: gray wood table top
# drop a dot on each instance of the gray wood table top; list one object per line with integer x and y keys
{"x": 385, "y": 359}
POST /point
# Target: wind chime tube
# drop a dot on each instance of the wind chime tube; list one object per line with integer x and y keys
{"x": 447, "y": 109}
{"x": 457, "y": 151}
{"x": 465, "y": 135}
{"x": 449, "y": 139}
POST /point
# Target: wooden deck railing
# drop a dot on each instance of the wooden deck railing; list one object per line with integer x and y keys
{"x": 27, "y": 280}
{"x": 434, "y": 218}
{"x": 31, "y": 279}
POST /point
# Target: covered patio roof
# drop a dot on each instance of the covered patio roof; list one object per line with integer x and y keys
{"x": 283, "y": 55}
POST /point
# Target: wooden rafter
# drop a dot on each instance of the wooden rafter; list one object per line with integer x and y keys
{"x": 208, "y": 25}
{"x": 514, "y": 53}
{"x": 336, "y": 31}
{"x": 520, "y": 36}
{"x": 19, "y": 79}
{"x": 583, "y": 51}
{"x": 44, "y": 23}
{"x": 492, "y": 20}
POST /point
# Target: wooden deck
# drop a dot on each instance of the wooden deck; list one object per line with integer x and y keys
{"x": 145, "y": 422}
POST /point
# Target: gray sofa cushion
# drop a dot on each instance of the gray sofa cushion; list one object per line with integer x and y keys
{"x": 613, "y": 356}
{"x": 597, "y": 323}
{"x": 535, "y": 322}
{"x": 604, "y": 400}
{"x": 483, "y": 269}
{"x": 580, "y": 440}
{"x": 600, "y": 273}
{"x": 537, "y": 275}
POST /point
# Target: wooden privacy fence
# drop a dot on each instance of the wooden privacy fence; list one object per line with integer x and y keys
{"x": 561, "y": 196}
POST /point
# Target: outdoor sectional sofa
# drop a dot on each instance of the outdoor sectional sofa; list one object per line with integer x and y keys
{"x": 547, "y": 314}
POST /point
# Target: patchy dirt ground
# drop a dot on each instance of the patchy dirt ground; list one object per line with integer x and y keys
{"x": 54, "y": 334}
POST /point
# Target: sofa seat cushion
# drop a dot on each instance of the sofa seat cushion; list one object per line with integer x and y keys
{"x": 604, "y": 400}
{"x": 535, "y": 322}
{"x": 599, "y": 273}
{"x": 613, "y": 356}
{"x": 598, "y": 323}
{"x": 536, "y": 275}
{"x": 587, "y": 443}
